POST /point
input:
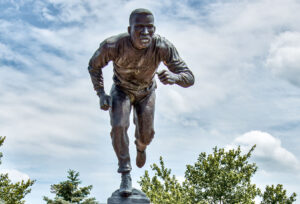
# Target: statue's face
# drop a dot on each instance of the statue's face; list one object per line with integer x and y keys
{"x": 141, "y": 30}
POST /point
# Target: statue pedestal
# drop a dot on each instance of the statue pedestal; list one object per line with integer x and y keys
{"x": 137, "y": 197}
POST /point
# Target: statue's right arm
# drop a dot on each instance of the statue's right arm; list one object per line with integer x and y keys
{"x": 99, "y": 60}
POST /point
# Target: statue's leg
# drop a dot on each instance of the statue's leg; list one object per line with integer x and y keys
{"x": 144, "y": 121}
{"x": 119, "y": 118}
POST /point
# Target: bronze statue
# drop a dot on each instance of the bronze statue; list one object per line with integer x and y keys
{"x": 136, "y": 56}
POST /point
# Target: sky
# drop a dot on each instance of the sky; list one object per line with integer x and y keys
{"x": 245, "y": 56}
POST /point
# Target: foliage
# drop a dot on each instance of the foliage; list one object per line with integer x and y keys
{"x": 274, "y": 195}
{"x": 169, "y": 190}
{"x": 221, "y": 177}
{"x": 13, "y": 193}
{"x": 68, "y": 192}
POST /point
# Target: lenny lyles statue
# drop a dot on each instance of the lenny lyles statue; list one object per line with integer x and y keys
{"x": 136, "y": 56}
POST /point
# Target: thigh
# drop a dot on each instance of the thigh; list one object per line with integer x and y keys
{"x": 121, "y": 107}
{"x": 144, "y": 112}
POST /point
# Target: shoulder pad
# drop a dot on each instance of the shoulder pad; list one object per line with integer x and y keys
{"x": 113, "y": 40}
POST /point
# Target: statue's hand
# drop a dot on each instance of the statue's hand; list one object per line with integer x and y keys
{"x": 105, "y": 101}
{"x": 167, "y": 77}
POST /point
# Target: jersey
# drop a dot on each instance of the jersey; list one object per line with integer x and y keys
{"x": 134, "y": 69}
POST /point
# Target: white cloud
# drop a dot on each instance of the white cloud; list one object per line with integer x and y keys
{"x": 180, "y": 179}
{"x": 284, "y": 57}
{"x": 15, "y": 175}
{"x": 269, "y": 150}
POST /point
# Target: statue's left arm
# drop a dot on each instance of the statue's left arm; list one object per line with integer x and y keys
{"x": 179, "y": 73}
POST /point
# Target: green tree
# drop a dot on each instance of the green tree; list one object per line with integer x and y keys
{"x": 220, "y": 177}
{"x": 69, "y": 192}
{"x": 276, "y": 195}
{"x": 162, "y": 187}
{"x": 13, "y": 193}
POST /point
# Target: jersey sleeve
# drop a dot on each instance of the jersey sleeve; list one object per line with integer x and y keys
{"x": 175, "y": 64}
{"x": 100, "y": 59}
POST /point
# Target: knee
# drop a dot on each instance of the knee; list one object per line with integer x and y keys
{"x": 119, "y": 128}
{"x": 146, "y": 136}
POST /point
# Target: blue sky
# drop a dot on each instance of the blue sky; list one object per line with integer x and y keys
{"x": 245, "y": 56}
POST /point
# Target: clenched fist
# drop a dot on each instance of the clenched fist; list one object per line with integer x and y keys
{"x": 105, "y": 101}
{"x": 167, "y": 77}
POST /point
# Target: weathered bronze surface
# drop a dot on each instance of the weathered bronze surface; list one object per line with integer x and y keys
{"x": 137, "y": 197}
{"x": 136, "y": 56}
